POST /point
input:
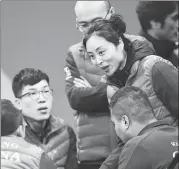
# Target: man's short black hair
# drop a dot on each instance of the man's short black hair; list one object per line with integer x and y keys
{"x": 133, "y": 102}
{"x": 27, "y": 76}
{"x": 11, "y": 117}
{"x": 154, "y": 10}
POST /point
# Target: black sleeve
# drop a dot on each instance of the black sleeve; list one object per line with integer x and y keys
{"x": 165, "y": 84}
{"x": 46, "y": 162}
{"x": 71, "y": 162}
{"x": 112, "y": 160}
{"x": 92, "y": 99}
{"x": 133, "y": 157}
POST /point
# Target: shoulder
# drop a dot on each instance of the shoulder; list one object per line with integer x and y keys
{"x": 59, "y": 124}
{"x": 133, "y": 38}
{"x": 56, "y": 122}
{"x": 153, "y": 61}
{"x": 129, "y": 151}
{"x": 131, "y": 146}
{"x": 141, "y": 47}
{"x": 137, "y": 40}
{"x": 19, "y": 145}
{"x": 76, "y": 51}
{"x": 76, "y": 48}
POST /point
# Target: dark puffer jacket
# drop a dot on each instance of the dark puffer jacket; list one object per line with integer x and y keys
{"x": 58, "y": 142}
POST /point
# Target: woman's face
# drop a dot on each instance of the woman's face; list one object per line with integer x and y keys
{"x": 105, "y": 54}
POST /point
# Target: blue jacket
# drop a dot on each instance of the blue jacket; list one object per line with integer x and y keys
{"x": 16, "y": 153}
{"x": 156, "y": 143}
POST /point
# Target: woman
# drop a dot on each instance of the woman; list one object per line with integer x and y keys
{"x": 121, "y": 58}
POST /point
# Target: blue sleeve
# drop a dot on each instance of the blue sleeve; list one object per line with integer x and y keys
{"x": 134, "y": 157}
{"x": 46, "y": 162}
{"x": 165, "y": 84}
{"x": 112, "y": 160}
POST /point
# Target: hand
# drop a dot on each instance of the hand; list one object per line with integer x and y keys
{"x": 111, "y": 90}
{"x": 81, "y": 82}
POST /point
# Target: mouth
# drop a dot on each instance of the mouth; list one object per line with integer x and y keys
{"x": 42, "y": 109}
{"x": 105, "y": 68}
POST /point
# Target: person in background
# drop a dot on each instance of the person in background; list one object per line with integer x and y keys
{"x": 34, "y": 98}
{"x": 148, "y": 142}
{"x": 159, "y": 23}
{"x": 16, "y": 153}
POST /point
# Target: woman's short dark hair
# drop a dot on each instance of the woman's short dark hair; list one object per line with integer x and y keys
{"x": 111, "y": 29}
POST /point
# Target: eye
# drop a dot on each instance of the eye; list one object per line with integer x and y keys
{"x": 112, "y": 122}
{"x": 85, "y": 25}
{"x": 32, "y": 93}
{"x": 91, "y": 56}
{"x": 101, "y": 53}
{"x": 46, "y": 91}
{"x": 97, "y": 20}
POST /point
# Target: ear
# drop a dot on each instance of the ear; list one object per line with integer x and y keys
{"x": 76, "y": 23}
{"x": 120, "y": 46}
{"x": 155, "y": 25}
{"x": 112, "y": 11}
{"x": 125, "y": 122}
{"x": 18, "y": 104}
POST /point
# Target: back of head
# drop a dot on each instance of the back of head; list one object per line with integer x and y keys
{"x": 134, "y": 103}
{"x": 10, "y": 117}
{"x": 111, "y": 29}
{"x": 89, "y": 6}
{"x": 154, "y": 11}
{"x": 27, "y": 76}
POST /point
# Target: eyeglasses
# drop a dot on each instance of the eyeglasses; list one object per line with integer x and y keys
{"x": 36, "y": 94}
{"x": 86, "y": 25}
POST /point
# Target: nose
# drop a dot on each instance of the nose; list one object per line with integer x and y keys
{"x": 41, "y": 97}
{"x": 98, "y": 60}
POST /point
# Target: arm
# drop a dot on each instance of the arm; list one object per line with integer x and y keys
{"x": 71, "y": 162}
{"x": 87, "y": 99}
{"x": 46, "y": 162}
{"x": 165, "y": 84}
{"x": 133, "y": 157}
{"x": 112, "y": 160}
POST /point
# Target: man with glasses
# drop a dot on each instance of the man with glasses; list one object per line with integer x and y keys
{"x": 16, "y": 153}
{"x": 34, "y": 97}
